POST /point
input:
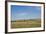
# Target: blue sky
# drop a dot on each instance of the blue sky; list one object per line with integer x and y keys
{"x": 25, "y": 12}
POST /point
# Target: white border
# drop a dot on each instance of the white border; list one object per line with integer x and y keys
{"x": 23, "y": 29}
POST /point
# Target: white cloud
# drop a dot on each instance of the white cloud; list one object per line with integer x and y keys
{"x": 21, "y": 14}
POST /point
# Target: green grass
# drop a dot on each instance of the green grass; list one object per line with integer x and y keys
{"x": 25, "y": 23}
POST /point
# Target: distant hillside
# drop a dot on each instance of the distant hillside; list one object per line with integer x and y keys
{"x": 27, "y": 20}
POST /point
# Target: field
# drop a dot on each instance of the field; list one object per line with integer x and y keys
{"x": 32, "y": 23}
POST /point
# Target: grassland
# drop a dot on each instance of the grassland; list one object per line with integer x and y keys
{"x": 26, "y": 23}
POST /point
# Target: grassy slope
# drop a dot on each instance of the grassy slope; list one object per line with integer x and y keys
{"x": 25, "y": 23}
